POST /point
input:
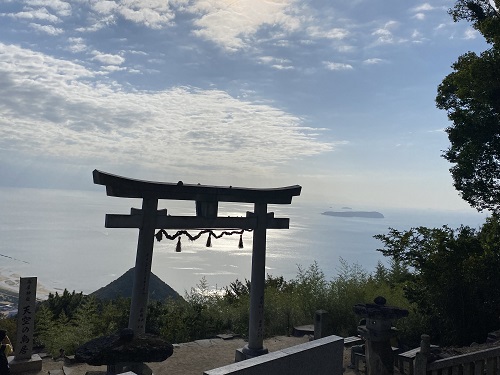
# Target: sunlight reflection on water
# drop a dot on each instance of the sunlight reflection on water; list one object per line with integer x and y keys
{"x": 61, "y": 235}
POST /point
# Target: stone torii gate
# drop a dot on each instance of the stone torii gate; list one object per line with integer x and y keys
{"x": 149, "y": 218}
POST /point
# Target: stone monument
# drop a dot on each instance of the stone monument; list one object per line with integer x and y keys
{"x": 23, "y": 359}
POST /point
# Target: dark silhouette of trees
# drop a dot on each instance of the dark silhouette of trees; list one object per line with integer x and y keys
{"x": 454, "y": 279}
{"x": 471, "y": 97}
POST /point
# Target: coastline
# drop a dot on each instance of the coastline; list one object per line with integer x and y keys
{"x": 9, "y": 285}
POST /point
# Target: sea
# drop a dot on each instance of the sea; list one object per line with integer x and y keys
{"x": 59, "y": 236}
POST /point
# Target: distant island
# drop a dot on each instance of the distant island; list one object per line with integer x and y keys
{"x": 367, "y": 214}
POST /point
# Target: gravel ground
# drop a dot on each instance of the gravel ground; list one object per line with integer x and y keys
{"x": 189, "y": 358}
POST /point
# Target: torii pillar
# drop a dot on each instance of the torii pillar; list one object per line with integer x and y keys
{"x": 149, "y": 218}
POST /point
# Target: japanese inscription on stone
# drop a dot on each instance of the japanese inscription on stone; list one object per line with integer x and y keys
{"x": 25, "y": 318}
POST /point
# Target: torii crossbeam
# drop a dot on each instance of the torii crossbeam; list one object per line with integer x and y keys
{"x": 149, "y": 218}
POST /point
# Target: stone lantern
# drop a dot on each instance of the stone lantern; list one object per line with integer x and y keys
{"x": 377, "y": 333}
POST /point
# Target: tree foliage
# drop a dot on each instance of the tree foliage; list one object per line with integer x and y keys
{"x": 68, "y": 320}
{"x": 471, "y": 97}
{"x": 454, "y": 278}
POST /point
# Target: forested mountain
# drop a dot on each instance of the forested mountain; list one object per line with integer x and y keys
{"x": 122, "y": 287}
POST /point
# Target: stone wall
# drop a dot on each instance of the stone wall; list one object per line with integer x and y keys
{"x": 322, "y": 356}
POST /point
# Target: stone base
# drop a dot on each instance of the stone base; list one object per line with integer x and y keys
{"x": 25, "y": 365}
{"x": 137, "y": 368}
{"x": 247, "y": 353}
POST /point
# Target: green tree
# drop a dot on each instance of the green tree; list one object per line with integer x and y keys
{"x": 66, "y": 303}
{"x": 454, "y": 277}
{"x": 471, "y": 97}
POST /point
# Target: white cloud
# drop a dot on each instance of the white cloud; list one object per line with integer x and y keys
{"x": 231, "y": 24}
{"x": 335, "y": 33}
{"x": 419, "y": 16}
{"x": 154, "y": 14}
{"x": 107, "y": 58}
{"x": 98, "y": 25}
{"x": 41, "y": 14}
{"x": 276, "y": 63}
{"x": 113, "y": 68}
{"x": 423, "y": 8}
{"x": 77, "y": 45}
{"x": 51, "y": 109}
{"x": 337, "y": 66}
{"x": 385, "y": 35}
{"x": 234, "y": 25}
{"x": 373, "y": 61}
{"x": 391, "y": 25}
{"x": 105, "y": 7}
{"x": 282, "y": 67}
{"x": 47, "y": 29}
{"x": 62, "y": 8}
{"x": 470, "y": 33}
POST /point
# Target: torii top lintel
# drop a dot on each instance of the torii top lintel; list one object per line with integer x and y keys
{"x": 118, "y": 186}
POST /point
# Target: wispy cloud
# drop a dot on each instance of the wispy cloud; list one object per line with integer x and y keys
{"x": 335, "y": 33}
{"x": 41, "y": 14}
{"x": 153, "y": 13}
{"x": 385, "y": 35}
{"x": 423, "y": 8}
{"x": 47, "y": 29}
{"x": 60, "y": 7}
{"x": 373, "y": 61}
{"x": 107, "y": 58}
{"x": 276, "y": 63}
{"x": 77, "y": 45}
{"x": 64, "y": 113}
{"x": 330, "y": 65}
{"x": 470, "y": 33}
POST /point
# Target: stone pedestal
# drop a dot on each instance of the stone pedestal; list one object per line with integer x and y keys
{"x": 378, "y": 332}
{"x": 25, "y": 365}
{"x": 247, "y": 353}
{"x": 379, "y": 358}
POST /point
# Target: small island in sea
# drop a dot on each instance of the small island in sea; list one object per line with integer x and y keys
{"x": 366, "y": 214}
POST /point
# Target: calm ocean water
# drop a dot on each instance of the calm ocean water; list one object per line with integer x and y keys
{"x": 59, "y": 236}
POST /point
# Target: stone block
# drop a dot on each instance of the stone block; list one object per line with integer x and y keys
{"x": 321, "y": 324}
{"x": 25, "y": 365}
{"x": 322, "y": 356}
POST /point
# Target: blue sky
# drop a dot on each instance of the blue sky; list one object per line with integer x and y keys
{"x": 336, "y": 96}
